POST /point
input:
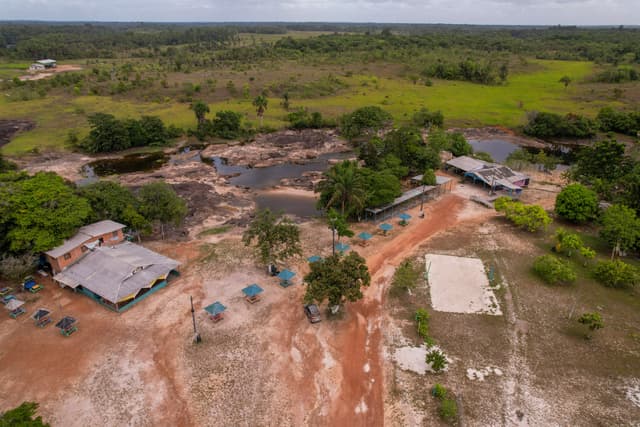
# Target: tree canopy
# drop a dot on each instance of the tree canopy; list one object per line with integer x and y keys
{"x": 277, "y": 237}
{"x": 620, "y": 227}
{"x": 342, "y": 188}
{"x": 577, "y": 203}
{"x": 337, "y": 279}
{"x": 22, "y": 416}
{"x": 530, "y": 217}
{"x": 159, "y": 202}
{"x": 365, "y": 120}
{"x": 39, "y": 212}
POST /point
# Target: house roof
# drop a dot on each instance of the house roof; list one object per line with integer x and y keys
{"x": 117, "y": 272}
{"x": 85, "y": 233}
{"x": 439, "y": 179}
{"x": 46, "y": 61}
{"x": 467, "y": 163}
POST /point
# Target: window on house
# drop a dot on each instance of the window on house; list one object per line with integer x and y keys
{"x": 114, "y": 234}
{"x": 67, "y": 256}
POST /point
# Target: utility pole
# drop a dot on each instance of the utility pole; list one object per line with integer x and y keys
{"x": 196, "y": 335}
{"x": 424, "y": 186}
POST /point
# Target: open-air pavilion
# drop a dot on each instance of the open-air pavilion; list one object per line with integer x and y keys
{"x": 67, "y": 325}
{"x": 216, "y": 311}
{"x": 385, "y": 227}
{"x": 252, "y": 293}
{"x": 365, "y": 237}
{"x": 342, "y": 247}
{"x": 314, "y": 258}
{"x": 285, "y": 277}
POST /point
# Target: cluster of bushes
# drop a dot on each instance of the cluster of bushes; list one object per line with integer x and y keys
{"x": 434, "y": 357}
{"x": 448, "y": 409}
{"x": 111, "y": 134}
{"x": 428, "y": 119}
{"x": 455, "y": 142}
{"x": 406, "y": 278}
{"x": 553, "y": 270}
{"x": 40, "y": 211}
{"x": 468, "y": 70}
{"x": 303, "y": 119}
{"x": 627, "y": 123}
{"x": 530, "y": 217}
{"x": 226, "y": 125}
{"x": 618, "y": 75}
{"x": 364, "y": 121}
{"x": 550, "y": 125}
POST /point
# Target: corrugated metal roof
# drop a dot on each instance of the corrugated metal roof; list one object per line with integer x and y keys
{"x": 118, "y": 271}
{"x": 466, "y": 163}
{"x": 101, "y": 227}
{"x": 85, "y": 233}
{"x": 68, "y": 245}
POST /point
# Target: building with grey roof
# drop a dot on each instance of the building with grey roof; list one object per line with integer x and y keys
{"x": 492, "y": 175}
{"x": 118, "y": 276}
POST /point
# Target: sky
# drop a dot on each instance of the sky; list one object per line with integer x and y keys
{"x": 506, "y": 12}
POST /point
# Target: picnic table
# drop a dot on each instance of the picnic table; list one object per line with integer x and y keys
{"x": 252, "y": 293}
{"x": 216, "y": 311}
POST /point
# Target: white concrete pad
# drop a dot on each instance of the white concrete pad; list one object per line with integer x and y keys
{"x": 460, "y": 285}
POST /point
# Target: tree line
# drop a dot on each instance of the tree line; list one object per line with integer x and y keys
{"x": 39, "y": 212}
{"x": 551, "y": 125}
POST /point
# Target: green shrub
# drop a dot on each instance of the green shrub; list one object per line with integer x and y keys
{"x": 577, "y": 203}
{"x": 448, "y": 410}
{"x": 553, "y": 270}
{"x": 530, "y": 217}
{"x": 406, "y": 277}
{"x": 437, "y": 360}
{"x": 616, "y": 274}
{"x": 439, "y": 391}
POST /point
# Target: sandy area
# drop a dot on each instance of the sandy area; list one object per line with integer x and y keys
{"x": 460, "y": 285}
{"x": 50, "y": 72}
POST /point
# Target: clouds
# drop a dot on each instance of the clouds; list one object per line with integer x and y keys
{"x": 520, "y": 12}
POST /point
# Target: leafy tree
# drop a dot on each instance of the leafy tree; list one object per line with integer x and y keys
{"x": 406, "y": 144}
{"x": 200, "y": 109}
{"x": 42, "y": 211}
{"x": 107, "y": 134}
{"x": 159, "y": 202}
{"x": 565, "y": 80}
{"x": 391, "y": 163}
{"x": 567, "y": 243}
{"x": 302, "y": 119}
{"x": 616, "y": 274}
{"x": 276, "y": 236}
{"x": 577, "y": 203}
{"x": 22, "y": 416}
{"x": 551, "y": 125}
{"x": 260, "y": 102}
{"x": 227, "y": 124}
{"x": 108, "y": 200}
{"x": 429, "y": 177}
{"x": 587, "y": 254}
{"x": 285, "y": 101}
{"x": 459, "y": 145}
{"x": 553, "y": 270}
{"x": 342, "y": 188}
{"x": 382, "y": 187}
{"x": 337, "y": 279}
{"x": 605, "y": 160}
{"x": 405, "y": 277}
{"x": 338, "y": 225}
{"x": 620, "y": 228}
{"x": 365, "y": 120}
{"x": 593, "y": 321}
{"x": 530, "y": 217}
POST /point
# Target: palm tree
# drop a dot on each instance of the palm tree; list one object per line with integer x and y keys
{"x": 343, "y": 188}
{"x": 260, "y": 102}
{"x": 200, "y": 109}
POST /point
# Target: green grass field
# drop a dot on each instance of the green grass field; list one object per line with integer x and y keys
{"x": 463, "y": 104}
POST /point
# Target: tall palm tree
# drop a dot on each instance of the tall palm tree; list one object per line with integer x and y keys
{"x": 343, "y": 188}
{"x": 260, "y": 102}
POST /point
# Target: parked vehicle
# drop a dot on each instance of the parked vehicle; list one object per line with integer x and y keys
{"x": 312, "y": 312}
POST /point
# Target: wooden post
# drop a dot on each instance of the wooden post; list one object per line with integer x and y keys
{"x": 196, "y": 335}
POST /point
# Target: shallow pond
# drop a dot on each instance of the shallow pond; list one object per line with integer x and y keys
{"x": 499, "y": 149}
{"x": 128, "y": 164}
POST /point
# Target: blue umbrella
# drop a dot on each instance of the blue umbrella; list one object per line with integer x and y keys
{"x": 386, "y": 227}
{"x": 252, "y": 290}
{"x": 365, "y": 236}
{"x": 286, "y": 275}
{"x": 215, "y": 308}
{"x": 404, "y": 216}
{"x": 314, "y": 258}
{"x": 342, "y": 247}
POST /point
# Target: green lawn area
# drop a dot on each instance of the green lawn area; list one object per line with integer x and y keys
{"x": 463, "y": 104}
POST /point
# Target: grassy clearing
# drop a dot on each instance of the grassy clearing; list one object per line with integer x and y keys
{"x": 463, "y": 104}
